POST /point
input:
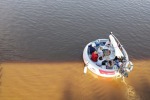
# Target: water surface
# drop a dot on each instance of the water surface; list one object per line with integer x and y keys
{"x": 58, "y": 30}
{"x": 49, "y": 37}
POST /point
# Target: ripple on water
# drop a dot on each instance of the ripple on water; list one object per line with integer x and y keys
{"x": 27, "y": 80}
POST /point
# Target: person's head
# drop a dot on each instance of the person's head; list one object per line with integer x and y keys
{"x": 110, "y": 62}
{"x": 95, "y": 52}
{"x": 116, "y": 58}
{"x": 109, "y": 52}
{"x": 120, "y": 64}
{"x": 100, "y": 58}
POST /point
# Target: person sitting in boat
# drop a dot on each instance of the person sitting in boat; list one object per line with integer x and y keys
{"x": 100, "y": 52}
{"x": 116, "y": 61}
{"x": 91, "y": 48}
{"x": 109, "y": 65}
{"x": 116, "y": 58}
{"x": 100, "y": 60}
{"x": 104, "y": 62}
{"x": 106, "y": 52}
{"x": 94, "y": 56}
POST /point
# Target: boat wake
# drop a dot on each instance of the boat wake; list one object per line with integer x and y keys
{"x": 130, "y": 91}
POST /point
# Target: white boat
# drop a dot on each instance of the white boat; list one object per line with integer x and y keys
{"x": 117, "y": 55}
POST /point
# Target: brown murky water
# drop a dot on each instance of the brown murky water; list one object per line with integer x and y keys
{"x": 66, "y": 81}
{"x": 41, "y": 44}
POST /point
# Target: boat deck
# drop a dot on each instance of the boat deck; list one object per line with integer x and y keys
{"x": 106, "y": 55}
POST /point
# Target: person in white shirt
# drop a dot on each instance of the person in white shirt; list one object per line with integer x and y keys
{"x": 100, "y": 60}
{"x": 100, "y": 52}
{"x": 120, "y": 64}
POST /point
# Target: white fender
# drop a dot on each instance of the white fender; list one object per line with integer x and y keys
{"x": 85, "y": 70}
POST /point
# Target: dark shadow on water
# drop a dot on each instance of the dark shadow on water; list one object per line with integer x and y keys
{"x": 67, "y": 92}
{"x": 143, "y": 89}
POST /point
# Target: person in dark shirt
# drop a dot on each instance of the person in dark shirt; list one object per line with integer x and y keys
{"x": 109, "y": 65}
{"x": 91, "y": 49}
